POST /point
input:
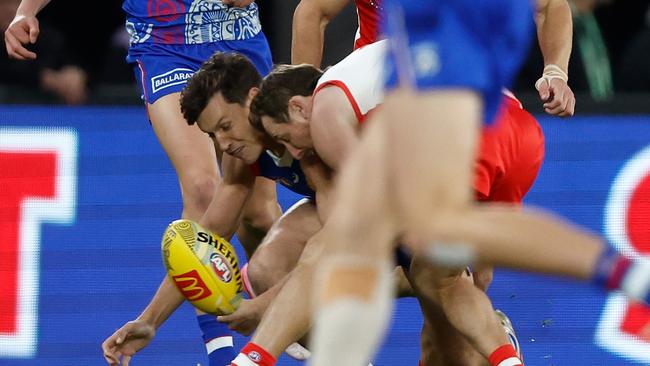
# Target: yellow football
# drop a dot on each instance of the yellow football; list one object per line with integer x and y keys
{"x": 203, "y": 266}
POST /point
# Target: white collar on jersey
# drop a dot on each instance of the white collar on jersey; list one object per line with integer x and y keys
{"x": 282, "y": 161}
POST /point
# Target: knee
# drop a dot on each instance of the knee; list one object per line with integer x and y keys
{"x": 262, "y": 274}
{"x": 259, "y": 215}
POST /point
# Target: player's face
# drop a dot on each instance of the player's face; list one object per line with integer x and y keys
{"x": 293, "y": 134}
{"x": 228, "y": 124}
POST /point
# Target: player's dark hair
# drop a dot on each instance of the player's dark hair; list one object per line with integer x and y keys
{"x": 230, "y": 73}
{"x": 278, "y": 87}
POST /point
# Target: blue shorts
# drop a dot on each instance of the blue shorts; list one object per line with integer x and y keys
{"x": 468, "y": 44}
{"x": 162, "y": 69}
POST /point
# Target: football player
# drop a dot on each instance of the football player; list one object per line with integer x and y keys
{"x": 311, "y": 112}
{"x": 217, "y": 99}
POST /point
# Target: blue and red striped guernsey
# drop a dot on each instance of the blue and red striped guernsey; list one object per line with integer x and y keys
{"x": 189, "y": 21}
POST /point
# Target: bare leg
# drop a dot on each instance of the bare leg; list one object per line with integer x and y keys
{"x": 443, "y": 345}
{"x": 504, "y": 235}
{"x": 458, "y": 312}
{"x": 423, "y": 185}
{"x": 354, "y": 293}
{"x": 278, "y": 254}
{"x": 190, "y": 151}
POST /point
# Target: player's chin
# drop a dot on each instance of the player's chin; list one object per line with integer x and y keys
{"x": 248, "y": 159}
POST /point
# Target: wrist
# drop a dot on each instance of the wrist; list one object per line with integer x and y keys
{"x": 149, "y": 319}
{"x": 551, "y": 71}
{"x": 30, "y": 8}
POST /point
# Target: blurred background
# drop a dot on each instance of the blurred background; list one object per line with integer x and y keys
{"x": 86, "y": 191}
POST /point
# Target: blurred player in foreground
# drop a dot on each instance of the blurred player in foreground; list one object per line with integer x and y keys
{"x": 168, "y": 44}
{"x": 418, "y": 151}
{"x": 311, "y": 112}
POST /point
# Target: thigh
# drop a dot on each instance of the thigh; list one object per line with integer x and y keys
{"x": 433, "y": 143}
{"x": 190, "y": 150}
{"x": 361, "y": 221}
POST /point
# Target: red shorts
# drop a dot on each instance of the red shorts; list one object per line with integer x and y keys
{"x": 511, "y": 154}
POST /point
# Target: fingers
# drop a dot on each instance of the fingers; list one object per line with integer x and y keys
{"x": 110, "y": 349}
{"x": 126, "y": 360}
{"x": 111, "y": 355}
{"x": 34, "y": 30}
{"x": 225, "y": 318}
{"x": 237, "y": 324}
{"x": 15, "y": 49}
{"x": 544, "y": 93}
{"x": 570, "y": 109}
{"x": 563, "y": 102}
{"x": 555, "y": 106}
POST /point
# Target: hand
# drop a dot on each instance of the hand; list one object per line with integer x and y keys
{"x": 238, "y": 3}
{"x": 246, "y": 318}
{"x": 22, "y": 30}
{"x": 558, "y": 97}
{"x": 126, "y": 341}
{"x": 69, "y": 83}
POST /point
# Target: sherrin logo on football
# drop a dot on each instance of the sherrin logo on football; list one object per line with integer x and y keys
{"x": 203, "y": 266}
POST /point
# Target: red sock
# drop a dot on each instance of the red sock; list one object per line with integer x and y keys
{"x": 253, "y": 355}
{"x": 505, "y": 356}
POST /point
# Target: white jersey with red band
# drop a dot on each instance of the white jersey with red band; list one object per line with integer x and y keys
{"x": 361, "y": 77}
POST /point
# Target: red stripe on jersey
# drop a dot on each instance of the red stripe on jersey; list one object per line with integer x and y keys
{"x": 341, "y": 85}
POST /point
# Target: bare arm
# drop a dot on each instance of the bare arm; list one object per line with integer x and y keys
{"x": 319, "y": 177}
{"x": 333, "y": 126}
{"x": 555, "y": 37}
{"x": 24, "y": 29}
{"x": 555, "y": 32}
{"x": 309, "y": 21}
{"x": 333, "y": 130}
{"x": 166, "y": 300}
{"x": 224, "y": 213}
{"x": 222, "y": 217}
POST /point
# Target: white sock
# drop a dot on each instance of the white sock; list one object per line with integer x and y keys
{"x": 348, "y": 330}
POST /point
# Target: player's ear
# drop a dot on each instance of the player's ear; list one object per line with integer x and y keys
{"x": 252, "y": 93}
{"x": 300, "y": 104}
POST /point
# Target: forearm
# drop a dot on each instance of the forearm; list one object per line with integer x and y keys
{"x": 308, "y": 35}
{"x": 31, "y": 7}
{"x": 224, "y": 213}
{"x": 555, "y": 32}
{"x": 166, "y": 300}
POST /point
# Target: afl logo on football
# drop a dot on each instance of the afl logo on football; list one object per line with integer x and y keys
{"x": 624, "y": 327}
{"x": 221, "y": 267}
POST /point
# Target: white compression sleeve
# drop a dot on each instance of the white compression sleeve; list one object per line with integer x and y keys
{"x": 348, "y": 330}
